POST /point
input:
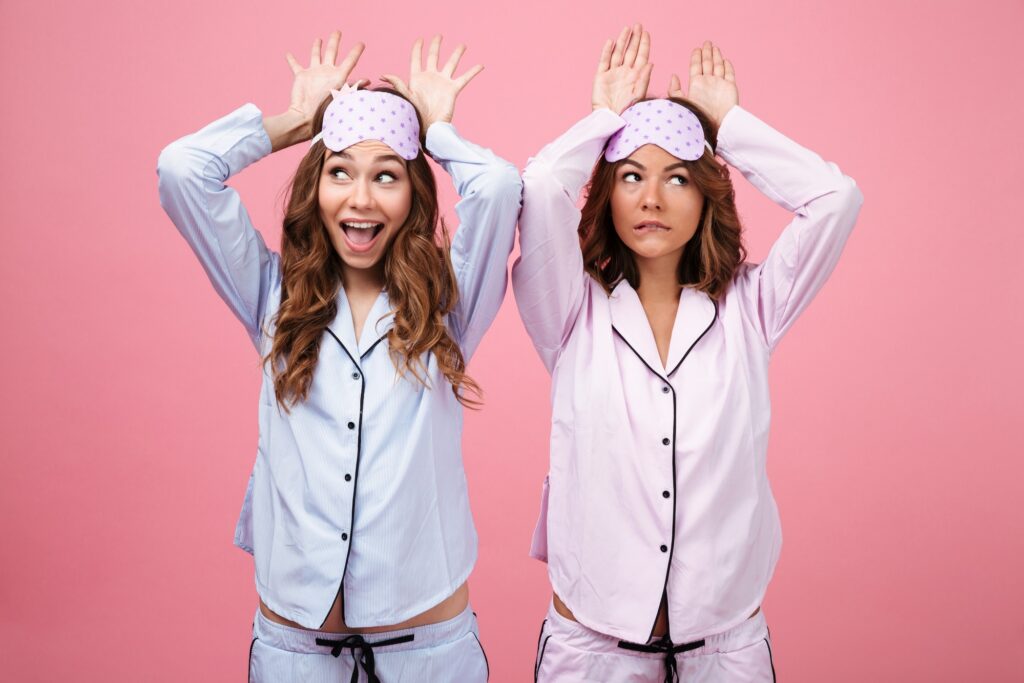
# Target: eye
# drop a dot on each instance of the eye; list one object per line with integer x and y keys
{"x": 339, "y": 174}
{"x": 386, "y": 177}
{"x": 678, "y": 180}
{"x": 631, "y": 177}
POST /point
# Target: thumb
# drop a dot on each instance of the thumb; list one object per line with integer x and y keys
{"x": 396, "y": 83}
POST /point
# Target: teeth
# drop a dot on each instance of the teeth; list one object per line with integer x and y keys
{"x": 361, "y": 226}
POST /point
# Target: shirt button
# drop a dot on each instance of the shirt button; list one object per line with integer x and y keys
{"x": 664, "y": 441}
{"x": 355, "y": 375}
{"x": 664, "y": 548}
{"x": 665, "y": 494}
{"x": 344, "y": 537}
{"x": 352, "y": 425}
{"x": 348, "y": 477}
{"x": 664, "y": 390}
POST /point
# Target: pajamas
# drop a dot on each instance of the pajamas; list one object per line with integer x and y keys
{"x": 570, "y": 652}
{"x": 445, "y": 652}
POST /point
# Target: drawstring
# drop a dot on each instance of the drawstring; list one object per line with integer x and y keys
{"x": 362, "y": 653}
{"x": 665, "y": 647}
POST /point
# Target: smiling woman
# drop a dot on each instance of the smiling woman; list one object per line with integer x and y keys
{"x": 357, "y": 513}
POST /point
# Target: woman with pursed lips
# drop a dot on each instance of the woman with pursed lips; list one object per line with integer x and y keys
{"x": 658, "y": 522}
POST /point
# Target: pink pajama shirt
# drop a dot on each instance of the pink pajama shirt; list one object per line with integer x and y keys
{"x": 657, "y": 482}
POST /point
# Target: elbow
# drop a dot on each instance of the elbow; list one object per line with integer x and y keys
{"x": 508, "y": 184}
{"x": 850, "y": 198}
{"x": 172, "y": 170}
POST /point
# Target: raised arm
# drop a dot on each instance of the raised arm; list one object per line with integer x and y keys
{"x": 193, "y": 171}
{"x": 548, "y": 279}
{"x": 824, "y": 200}
{"x": 489, "y": 188}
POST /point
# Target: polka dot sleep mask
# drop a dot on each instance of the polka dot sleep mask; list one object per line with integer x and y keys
{"x": 356, "y": 115}
{"x": 664, "y": 123}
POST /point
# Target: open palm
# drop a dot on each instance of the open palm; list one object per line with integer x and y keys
{"x": 623, "y": 72}
{"x": 712, "y": 82}
{"x": 433, "y": 91}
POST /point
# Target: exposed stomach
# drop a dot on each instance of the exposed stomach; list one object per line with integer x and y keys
{"x": 449, "y": 608}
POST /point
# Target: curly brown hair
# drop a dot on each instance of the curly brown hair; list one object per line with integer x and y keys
{"x": 712, "y": 255}
{"x": 419, "y": 281}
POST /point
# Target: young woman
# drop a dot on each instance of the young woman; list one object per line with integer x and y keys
{"x": 357, "y": 513}
{"x": 658, "y": 523}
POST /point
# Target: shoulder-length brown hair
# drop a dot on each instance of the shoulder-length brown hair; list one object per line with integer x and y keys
{"x": 419, "y": 281}
{"x": 712, "y": 255}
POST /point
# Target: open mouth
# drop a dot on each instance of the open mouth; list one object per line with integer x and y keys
{"x": 361, "y": 235}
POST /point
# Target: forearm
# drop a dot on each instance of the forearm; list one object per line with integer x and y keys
{"x": 287, "y": 129}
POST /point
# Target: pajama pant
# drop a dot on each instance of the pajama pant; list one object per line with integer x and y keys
{"x": 446, "y": 652}
{"x": 570, "y": 652}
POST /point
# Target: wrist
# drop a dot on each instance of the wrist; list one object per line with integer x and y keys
{"x": 288, "y": 128}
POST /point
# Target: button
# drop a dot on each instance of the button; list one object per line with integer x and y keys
{"x": 355, "y": 375}
{"x": 664, "y": 390}
{"x": 352, "y": 425}
{"x": 664, "y": 548}
{"x": 664, "y": 441}
{"x": 348, "y": 477}
{"x": 665, "y": 494}
{"x": 344, "y": 537}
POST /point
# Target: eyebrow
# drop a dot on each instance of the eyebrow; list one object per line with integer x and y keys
{"x": 678, "y": 164}
{"x": 383, "y": 157}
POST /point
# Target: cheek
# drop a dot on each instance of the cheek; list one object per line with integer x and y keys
{"x": 397, "y": 205}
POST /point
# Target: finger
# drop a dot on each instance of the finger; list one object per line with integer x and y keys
{"x": 643, "y": 81}
{"x": 293, "y": 63}
{"x": 604, "y": 63}
{"x": 695, "y": 63}
{"x": 716, "y": 62}
{"x": 314, "y": 53}
{"x": 645, "y": 49}
{"x": 453, "y": 61}
{"x": 706, "y": 66}
{"x": 435, "y": 48}
{"x": 465, "y": 78}
{"x": 675, "y": 87}
{"x": 332, "y": 48}
{"x": 620, "y": 47}
{"x": 730, "y": 75}
{"x": 351, "y": 58}
{"x": 634, "y": 45}
{"x": 396, "y": 83}
{"x": 417, "y": 52}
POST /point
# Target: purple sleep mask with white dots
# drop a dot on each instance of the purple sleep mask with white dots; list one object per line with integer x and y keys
{"x": 356, "y": 115}
{"x": 664, "y": 123}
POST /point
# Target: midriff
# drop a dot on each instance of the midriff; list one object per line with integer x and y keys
{"x": 449, "y": 608}
{"x": 660, "y": 623}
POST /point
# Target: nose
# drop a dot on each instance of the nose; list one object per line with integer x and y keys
{"x": 361, "y": 196}
{"x": 652, "y": 196}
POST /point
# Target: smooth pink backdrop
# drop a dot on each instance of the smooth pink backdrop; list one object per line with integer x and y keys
{"x": 129, "y": 392}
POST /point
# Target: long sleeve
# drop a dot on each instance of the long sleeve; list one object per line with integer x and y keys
{"x": 548, "y": 278}
{"x": 210, "y": 216}
{"x": 490, "y": 192}
{"x": 826, "y": 204}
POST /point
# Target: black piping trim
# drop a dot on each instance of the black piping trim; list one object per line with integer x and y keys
{"x": 540, "y": 660}
{"x": 771, "y": 660}
{"x": 248, "y": 673}
{"x": 372, "y": 347}
{"x": 355, "y": 475}
{"x": 483, "y": 652}
{"x": 696, "y": 340}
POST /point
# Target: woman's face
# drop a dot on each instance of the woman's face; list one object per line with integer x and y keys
{"x": 655, "y": 207}
{"x": 365, "y": 196}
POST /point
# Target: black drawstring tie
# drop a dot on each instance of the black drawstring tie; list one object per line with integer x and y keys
{"x": 362, "y": 652}
{"x": 665, "y": 647}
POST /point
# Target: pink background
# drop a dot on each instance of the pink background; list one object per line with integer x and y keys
{"x": 129, "y": 403}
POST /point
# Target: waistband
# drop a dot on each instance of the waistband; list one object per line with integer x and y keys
{"x": 300, "y": 640}
{"x": 579, "y": 636}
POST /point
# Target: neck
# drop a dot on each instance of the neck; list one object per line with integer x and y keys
{"x": 365, "y": 281}
{"x": 659, "y": 279}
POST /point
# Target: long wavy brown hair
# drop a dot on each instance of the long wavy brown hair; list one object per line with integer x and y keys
{"x": 419, "y": 281}
{"x": 712, "y": 255}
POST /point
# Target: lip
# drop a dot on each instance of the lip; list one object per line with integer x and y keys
{"x": 650, "y": 226}
{"x": 360, "y": 248}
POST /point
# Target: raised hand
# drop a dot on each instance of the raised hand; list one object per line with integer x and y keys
{"x": 313, "y": 83}
{"x": 623, "y": 72}
{"x": 432, "y": 91}
{"x": 712, "y": 82}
